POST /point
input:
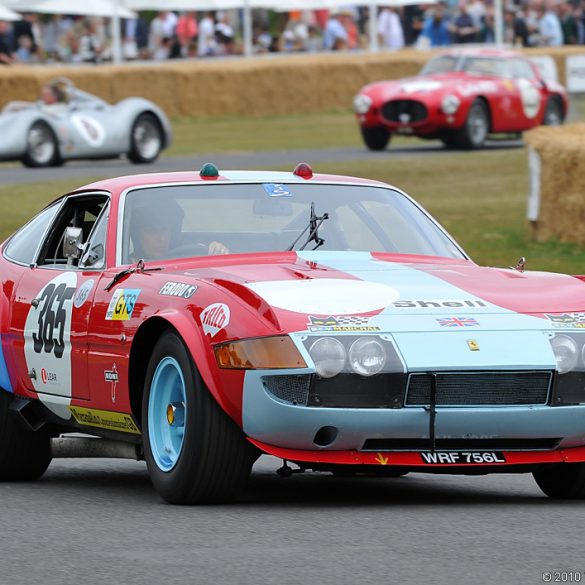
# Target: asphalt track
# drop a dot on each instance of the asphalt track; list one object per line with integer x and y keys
{"x": 100, "y": 522}
{"x": 286, "y": 159}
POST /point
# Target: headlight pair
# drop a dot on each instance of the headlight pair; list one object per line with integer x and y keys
{"x": 566, "y": 352}
{"x": 366, "y": 356}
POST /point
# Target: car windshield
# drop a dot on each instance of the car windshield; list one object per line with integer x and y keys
{"x": 471, "y": 64}
{"x": 181, "y": 221}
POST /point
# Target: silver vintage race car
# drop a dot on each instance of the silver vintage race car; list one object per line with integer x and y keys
{"x": 67, "y": 123}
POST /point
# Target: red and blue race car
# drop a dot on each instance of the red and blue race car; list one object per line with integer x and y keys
{"x": 461, "y": 97}
{"x": 199, "y": 319}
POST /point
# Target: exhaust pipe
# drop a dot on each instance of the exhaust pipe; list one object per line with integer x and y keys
{"x": 84, "y": 447}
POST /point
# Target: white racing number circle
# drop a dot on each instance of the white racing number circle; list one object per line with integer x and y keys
{"x": 47, "y": 340}
{"x": 90, "y": 129}
{"x": 530, "y": 97}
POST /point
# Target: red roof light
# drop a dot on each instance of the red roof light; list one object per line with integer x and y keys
{"x": 304, "y": 171}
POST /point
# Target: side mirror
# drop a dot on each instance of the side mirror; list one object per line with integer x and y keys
{"x": 73, "y": 242}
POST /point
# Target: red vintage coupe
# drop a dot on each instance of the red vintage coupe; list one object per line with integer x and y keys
{"x": 461, "y": 97}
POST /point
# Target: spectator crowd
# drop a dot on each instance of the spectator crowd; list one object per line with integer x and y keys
{"x": 170, "y": 35}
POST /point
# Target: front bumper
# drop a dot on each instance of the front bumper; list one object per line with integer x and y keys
{"x": 286, "y": 426}
{"x": 417, "y": 461}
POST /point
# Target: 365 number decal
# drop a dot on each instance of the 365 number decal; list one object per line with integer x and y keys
{"x": 52, "y": 320}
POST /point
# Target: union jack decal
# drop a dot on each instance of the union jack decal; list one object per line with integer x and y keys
{"x": 458, "y": 322}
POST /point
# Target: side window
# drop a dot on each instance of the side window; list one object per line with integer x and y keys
{"x": 94, "y": 256}
{"x": 24, "y": 244}
{"x": 80, "y": 212}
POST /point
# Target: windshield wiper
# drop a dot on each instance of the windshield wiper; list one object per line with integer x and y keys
{"x": 139, "y": 268}
{"x": 313, "y": 228}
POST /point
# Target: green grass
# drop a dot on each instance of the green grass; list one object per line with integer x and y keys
{"x": 480, "y": 197}
{"x": 194, "y": 136}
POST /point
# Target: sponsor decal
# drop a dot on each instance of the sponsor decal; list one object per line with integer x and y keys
{"x": 112, "y": 377}
{"x": 47, "y": 377}
{"x": 105, "y": 419}
{"x": 567, "y": 320}
{"x": 473, "y": 345}
{"x": 457, "y": 322}
{"x": 462, "y": 457}
{"x": 89, "y": 129}
{"x": 381, "y": 459}
{"x": 276, "y": 190}
{"x": 478, "y": 87}
{"x": 122, "y": 304}
{"x": 441, "y": 304}
{"x": 340, "y": 323}
{"x": 214, "y": 318}
{"x": 177, "y": 289}
{"x": 82, "y": 293}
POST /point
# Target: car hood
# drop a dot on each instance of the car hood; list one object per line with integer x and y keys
{"x": 397, "y": 292}
{"x": 431, "y": 87}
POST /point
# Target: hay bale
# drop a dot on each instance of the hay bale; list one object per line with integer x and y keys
{"x": 562, "y": 184}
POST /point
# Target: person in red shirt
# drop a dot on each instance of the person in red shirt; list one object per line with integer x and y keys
{"x": 186, "y": 31}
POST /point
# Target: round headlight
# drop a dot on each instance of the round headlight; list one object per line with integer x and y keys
{"x": 367, "y": 356}
{"x": 566, "y": 353}
{"x": 361, "y": 103}
{"x": 329, "y": 356}
{"x": 450, "y": 104}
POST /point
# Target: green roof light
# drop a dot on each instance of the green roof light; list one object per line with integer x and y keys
{"x": 209, "y": 171}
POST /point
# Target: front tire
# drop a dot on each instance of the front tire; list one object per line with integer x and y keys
{"x": 194, "y": 452}
{"x": 553, "y": 114}
{"x": 146, "y": 139}
{"x": 42, "y": 149}
{"x": 24, "y": 455}
{"x": 562, "y": 481}
{"x": 376, "y": 138}
{"x": 473, "y": 134}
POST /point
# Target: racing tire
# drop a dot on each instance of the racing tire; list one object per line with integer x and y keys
{"x": 449, "y": 140}
{"x": 376, "y": 138}
{"x": 146, "y": 139}
{"x": 562, "y": 481}
{"x": 42, "y": 149}
{"x": 553, "y": 113}
{"x": 195, "y": 454}
{"x": 473, "y": 134}
{"x": 24, "y": 455}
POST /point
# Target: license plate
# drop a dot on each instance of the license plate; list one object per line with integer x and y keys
{"x": 462, "y": 457}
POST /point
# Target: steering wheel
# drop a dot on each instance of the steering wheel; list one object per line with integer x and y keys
{"x": 184, "y": 250}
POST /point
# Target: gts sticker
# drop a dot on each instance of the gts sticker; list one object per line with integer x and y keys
{"x": 122, "y": 304}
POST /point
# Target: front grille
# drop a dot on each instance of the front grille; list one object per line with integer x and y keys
{"x": 289, "y": 389}
{"x": 404, "y": 111}
{"x": 461, "y": 444}
{"x": 479, "y": 388}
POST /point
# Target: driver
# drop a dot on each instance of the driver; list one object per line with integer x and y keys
{"x": 155, "y": 232}
{"x": 53, "y": 94}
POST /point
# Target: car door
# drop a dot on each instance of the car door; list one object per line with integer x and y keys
{"x": 529, "y": 94}
{"x": 51, "y": 309}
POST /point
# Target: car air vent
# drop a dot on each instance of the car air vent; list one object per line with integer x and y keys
{"x": 461, "y": 444}
{"x": 404, "y": 111}
{"x": 480, "y": 388}
{"x": 289, "y": 389}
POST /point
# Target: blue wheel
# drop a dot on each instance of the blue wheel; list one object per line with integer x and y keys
{"x": 166, "y": 413}
{"x": 194, "y": 451}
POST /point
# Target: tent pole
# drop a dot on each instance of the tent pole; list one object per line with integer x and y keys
{"x": 247, "y": 29}
{"x": 116, "y": 29}
{"x": 373, "y": 48}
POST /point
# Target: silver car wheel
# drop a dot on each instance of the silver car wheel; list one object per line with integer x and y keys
{"x": 41, "y": 144}
{"x": 146, "y": 138}
{"x": 478, "y": 124}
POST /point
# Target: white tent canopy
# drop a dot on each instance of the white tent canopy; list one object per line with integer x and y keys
{"x": 7, "y": 14}
{"x": 91, "y": 8}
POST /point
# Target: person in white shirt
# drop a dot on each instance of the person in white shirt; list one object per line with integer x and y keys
{"x": 390, "y": 33}
{"x": 206, "y": 44}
